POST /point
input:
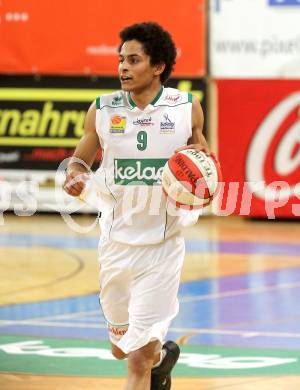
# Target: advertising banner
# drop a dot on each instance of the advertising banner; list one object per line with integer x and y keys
{"x": 74, "y": 38}
{"x": 42, "y": 120}
{"x": 258, "y": 135}
{"x": 255, "y": 38}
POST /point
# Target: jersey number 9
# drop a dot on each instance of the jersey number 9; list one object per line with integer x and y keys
{"x": 141, "y": 140}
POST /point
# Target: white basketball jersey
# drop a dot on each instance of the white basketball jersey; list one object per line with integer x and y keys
{"x": 136, "y": 145}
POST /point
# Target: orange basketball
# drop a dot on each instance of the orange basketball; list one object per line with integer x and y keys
{"x": 190, "y": 179}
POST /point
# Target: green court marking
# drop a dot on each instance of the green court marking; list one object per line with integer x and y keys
{"x": 93, "y": 358}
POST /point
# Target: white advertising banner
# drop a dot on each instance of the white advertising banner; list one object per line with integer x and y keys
{"x": 255, "y": 38}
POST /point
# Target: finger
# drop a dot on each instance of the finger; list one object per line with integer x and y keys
{"x": 201, "y": 148}
{"x": 77, "y": 185}
{"x": 183, "y": 148}
{"x": 197, "y": 147}
{"x": 77, "y": 181}
{"x": 74, "y": 186}
{"x": 71, "y": 191}
{"x": 206, "y": 151}
{"x": 78, "y": 176}
{"x": 214, "y": 156}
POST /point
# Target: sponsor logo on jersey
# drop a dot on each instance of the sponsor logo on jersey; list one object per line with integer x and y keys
{"x": 145, "y": 171}
{"x": 117, "y": 124}
{"x": 176, "y": 98}
{"x": 167, "y": 126}
{"x": 117, "y": 100}
{"x": 143, "y": 122}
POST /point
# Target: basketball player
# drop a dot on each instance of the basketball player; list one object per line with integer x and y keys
{"x": 141, "y": 249}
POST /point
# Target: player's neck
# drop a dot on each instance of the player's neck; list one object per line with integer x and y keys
{"x": 142, "y": 98}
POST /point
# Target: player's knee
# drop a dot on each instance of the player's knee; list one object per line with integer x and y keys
{"x": 117, "y": 353}
{"x": 139, "y": 363}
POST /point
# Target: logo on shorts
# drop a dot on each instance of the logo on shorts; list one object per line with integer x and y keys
{"x": 117, "y": 124}
{"x": 145, "y": 171}
{"x": 117, "y": 330}
{"x": 167, "y": 126}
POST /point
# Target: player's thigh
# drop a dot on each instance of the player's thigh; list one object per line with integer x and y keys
{"x": 154, "y": 293}
{"x": 114, "y": 295}
{"x": 114, "y": 285}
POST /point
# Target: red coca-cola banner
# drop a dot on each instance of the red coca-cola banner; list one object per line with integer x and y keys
{"x": 259, "y": 147}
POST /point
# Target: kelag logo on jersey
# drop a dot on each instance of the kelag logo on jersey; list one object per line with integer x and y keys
{"x": 145, "y": 171}
{"x": 284, "y": 2}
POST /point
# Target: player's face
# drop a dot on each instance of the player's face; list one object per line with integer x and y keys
{"x": 135, "y": 71}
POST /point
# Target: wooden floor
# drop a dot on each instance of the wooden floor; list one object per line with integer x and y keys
{"x": 28, "y": 382}
{"x": 36, "y": 268}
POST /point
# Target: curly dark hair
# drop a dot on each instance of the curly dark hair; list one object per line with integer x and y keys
{"x": 157, "y": 43}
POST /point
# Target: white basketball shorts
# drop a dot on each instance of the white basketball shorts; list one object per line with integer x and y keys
{"x": 138, "y": 290}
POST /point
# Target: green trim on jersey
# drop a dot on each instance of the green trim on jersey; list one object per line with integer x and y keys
{"x": 157, "y": 96}
{"x": 166, "y": 223}
{"x": 190, "y": 97}
{"x": 107, "y": 105}
{"x": 98, "y": 102}
{"x": 113, "y": 210}
{"x": 131, "y": 101}
{"x": 173, "y": 105}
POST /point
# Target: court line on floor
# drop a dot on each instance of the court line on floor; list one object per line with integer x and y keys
{"x": 234, "y": 293}
{"x": 192, "y": 245}
{"x": 68, "y": 315}
{"x": 190, "y": 298}
{"x": 242, "y": 333}
{"x": 80, "y": 265}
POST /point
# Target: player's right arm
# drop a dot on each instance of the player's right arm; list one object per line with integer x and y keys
{"x": 197, "y": 140}
{"x": 84, "y": 155}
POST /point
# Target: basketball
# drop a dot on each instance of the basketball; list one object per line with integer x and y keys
{"x": 190, "y": 179}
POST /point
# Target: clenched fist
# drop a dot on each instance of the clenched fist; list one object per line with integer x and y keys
{"x": 75, "y": 182}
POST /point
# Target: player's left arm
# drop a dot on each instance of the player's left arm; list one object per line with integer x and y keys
{"x": 197, "y": 140}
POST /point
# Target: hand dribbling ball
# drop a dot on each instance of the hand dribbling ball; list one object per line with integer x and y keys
{"x": 190, "y": 179}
